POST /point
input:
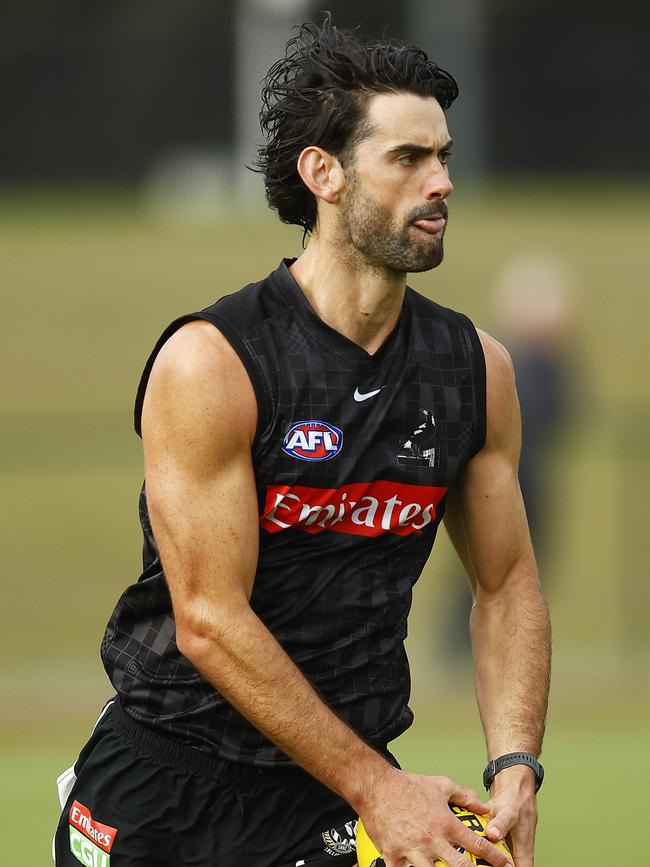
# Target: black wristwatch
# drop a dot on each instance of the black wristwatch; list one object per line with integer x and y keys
{"x": 507, "y": 761}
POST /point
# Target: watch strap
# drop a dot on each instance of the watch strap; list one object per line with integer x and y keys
{"x": 507, "y": 761}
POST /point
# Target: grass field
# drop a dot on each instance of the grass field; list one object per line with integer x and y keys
{"x": 88, "y": 283}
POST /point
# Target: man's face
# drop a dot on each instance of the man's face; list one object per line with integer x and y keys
{"x": 394, "y": 212}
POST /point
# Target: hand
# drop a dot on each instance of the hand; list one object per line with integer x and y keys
{"x": 408, "y": 818}
{"x": 514, "y": 813}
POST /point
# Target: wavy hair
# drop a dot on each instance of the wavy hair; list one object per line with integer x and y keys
{"x": 318, "y": 93}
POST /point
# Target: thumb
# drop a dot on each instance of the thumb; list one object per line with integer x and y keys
{"x": 494, "y": 832}
{"x": 500, "y": 825}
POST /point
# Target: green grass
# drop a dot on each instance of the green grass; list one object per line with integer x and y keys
{"x": 32, "y": 758}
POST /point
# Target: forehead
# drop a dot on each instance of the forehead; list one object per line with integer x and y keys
{"x": 399, "y": 117}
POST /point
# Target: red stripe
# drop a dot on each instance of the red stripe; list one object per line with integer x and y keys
{"x": 362, "y": 508}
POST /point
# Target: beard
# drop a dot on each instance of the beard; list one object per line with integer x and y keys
{"x": 385, "y": 242}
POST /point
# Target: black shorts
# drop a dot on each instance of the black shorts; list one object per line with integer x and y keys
{"x": 138, "y": 799}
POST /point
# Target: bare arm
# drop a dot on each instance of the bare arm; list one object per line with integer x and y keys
{"x": 509, "y": 623}
{"x": 198, "y": 423}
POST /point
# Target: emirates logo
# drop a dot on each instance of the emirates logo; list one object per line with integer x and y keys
{"x": 361, "y": 509}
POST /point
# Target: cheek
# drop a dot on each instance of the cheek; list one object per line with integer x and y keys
{"x": 401, "y": 190}
{"x": 392, "y": 198}
{"x": 395, "y": 183}
{"x": 383, "y": 200}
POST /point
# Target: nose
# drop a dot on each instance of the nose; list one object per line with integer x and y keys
{"x": 439, "y": 185}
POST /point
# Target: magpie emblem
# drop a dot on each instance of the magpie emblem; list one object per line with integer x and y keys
{"x": 418, "y": 448}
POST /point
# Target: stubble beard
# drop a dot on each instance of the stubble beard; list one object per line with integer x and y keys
{"x": 381, "y": 244}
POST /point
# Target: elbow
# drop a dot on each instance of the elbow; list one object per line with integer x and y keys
{"x": 516, "y": 585}
{"x": 191, "y": 646}
{"x": 195, "y": 637}
{"x": 205, "y": 630}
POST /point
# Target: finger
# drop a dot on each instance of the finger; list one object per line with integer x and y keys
{"x": 466, "y": 798}
{"x": 452, "y": 857}
{"x": 417, "y": 859}
{"x": 414, "y": 859}
{"x": 481, "y": 846}
{"x": 522, "y": 859}
{"x": 522, "y": 845}
{"x": 501, "y": 823}
{"x": 473, "y": 802}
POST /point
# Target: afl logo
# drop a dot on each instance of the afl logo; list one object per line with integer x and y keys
{"x": 313, "y": 441}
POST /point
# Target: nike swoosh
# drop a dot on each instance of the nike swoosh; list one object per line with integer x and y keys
{"x": 358, "y": 396}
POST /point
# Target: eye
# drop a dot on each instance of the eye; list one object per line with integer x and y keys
{"x": 408, "y": 159}
{"x": 444, "y": 157}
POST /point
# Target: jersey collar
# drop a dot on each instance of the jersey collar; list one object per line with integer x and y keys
{"x": 284, "y": 281}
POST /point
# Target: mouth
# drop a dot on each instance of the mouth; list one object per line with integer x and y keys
{"x": 433, "y": 225}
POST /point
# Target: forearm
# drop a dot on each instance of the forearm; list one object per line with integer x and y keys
{"x": 407, "y": 815}
{"x": 236, "y": 652}
{"x": 511, "y": 642}
{"x": 210, "y": 557}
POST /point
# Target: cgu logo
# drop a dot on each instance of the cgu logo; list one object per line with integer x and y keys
{"x": 313, "y": 441}
{"x": 85, "y": 851}
{"x": 90, "y": 841}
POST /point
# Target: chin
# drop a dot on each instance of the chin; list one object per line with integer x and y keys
{"x": 404, "y": 257}
{"x": 427, "y": 262}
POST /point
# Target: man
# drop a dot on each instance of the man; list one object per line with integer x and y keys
{"x": 303, "y": 439}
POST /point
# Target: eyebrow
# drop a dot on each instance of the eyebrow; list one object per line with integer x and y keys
{"x": 420, "y": 149}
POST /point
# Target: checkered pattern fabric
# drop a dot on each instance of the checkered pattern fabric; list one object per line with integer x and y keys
{"x": 337, "y": 601}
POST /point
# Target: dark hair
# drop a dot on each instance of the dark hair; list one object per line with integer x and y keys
{"x": 317, "y": 95}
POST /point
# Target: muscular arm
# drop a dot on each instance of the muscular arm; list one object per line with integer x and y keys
{"x": 198, "y": 424}
{"x": 509, "y": 623}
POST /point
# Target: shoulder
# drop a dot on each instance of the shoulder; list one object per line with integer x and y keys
{"x": 434, "y": 319}
{"x": 428, "y": 308}
{"x": 246, "y": 308}
{"x": 194, "y": 350}
{"x": 498, "y": 362}
{"x": 199, "y": 382}
{"x": 502, "y": 404}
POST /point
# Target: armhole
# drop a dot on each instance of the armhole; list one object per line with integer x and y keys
{"x": 479, "y": 377}
{"x": 237, "y": 344}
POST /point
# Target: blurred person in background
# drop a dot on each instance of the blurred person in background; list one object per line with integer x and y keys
{"x": 532, "y": 303}
{"x": 303, "y": 439}
{"x": 533, "y": 312}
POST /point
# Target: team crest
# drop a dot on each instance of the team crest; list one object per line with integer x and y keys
{"x": 419, "y": 448}
{"x": 313, "y": 441}
{"x": 341, "y": 842}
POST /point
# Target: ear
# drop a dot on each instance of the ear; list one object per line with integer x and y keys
{"x": 321, "y": 173}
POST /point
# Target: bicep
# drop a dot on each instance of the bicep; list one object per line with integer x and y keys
{"x": 198, "y": 422}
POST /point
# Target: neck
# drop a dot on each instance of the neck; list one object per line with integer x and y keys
{"x": 358, "y": 300}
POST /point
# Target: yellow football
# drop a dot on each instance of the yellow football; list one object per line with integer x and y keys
{"x": 369, "y": 856}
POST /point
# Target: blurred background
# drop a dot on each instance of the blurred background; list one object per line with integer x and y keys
{"x": 125, "y": 201}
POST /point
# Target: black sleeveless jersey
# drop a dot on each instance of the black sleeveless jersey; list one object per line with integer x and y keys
{"x": 353, "y": 456}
